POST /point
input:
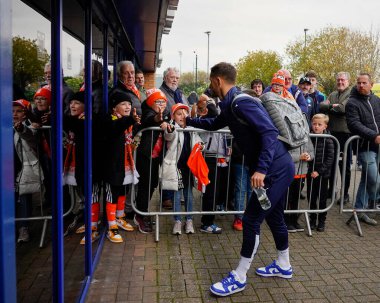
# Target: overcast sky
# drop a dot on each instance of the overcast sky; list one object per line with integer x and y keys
{"x": 242, "y": 25}
{"x": 236, "y": 27}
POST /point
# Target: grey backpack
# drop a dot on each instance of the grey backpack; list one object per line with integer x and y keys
{"x": 286, "y": 115}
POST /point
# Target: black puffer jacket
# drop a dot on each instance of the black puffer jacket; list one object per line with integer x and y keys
{"x": 363, "y": 118}
{"x": 323, "y": 156}
{"x": 114, "y": 170}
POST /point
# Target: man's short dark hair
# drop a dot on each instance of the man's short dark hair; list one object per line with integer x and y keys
{"x": 224, "y": 70}
{"x": 138, "y": 71}
{"x": 311, "y": 74}
{"x": 366, "y": 74}
{"x": 257, "y": 81}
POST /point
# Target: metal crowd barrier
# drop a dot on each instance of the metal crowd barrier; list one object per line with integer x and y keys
{"x": 155, "y": 205}
{"x": 360, "y": 175}
{"x": 305, "y": 207}
{"x": 43, "y": 216}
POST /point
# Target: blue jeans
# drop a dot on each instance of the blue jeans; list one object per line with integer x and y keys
{"x": 188, "y": 195}
{"x": 370, "y": 179}
{"x": 242, "y": 187}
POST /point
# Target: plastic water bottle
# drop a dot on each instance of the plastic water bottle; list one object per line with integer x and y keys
{"x": 262, "y": 197}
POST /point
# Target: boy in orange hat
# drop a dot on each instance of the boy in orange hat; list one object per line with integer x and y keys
{"x": 149, "y": 152}
{"x": 175, "y": 172}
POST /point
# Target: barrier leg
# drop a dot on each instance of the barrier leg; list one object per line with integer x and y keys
{"x": 43, "y": 233}
{"x": 157, "y": 228}
{"x": 309, "y": 233}
{"x": 358, "y": 224}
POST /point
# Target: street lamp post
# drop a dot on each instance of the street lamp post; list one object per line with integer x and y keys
{"x": 196, "y": 70}
{"x": 304, "y": 51}
{"x": 208, "y": 51}
{"x": 180, "y": 61}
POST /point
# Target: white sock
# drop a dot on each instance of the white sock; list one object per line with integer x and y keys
{"x": 120, "y": 213}
{"x": 245, "y": 263}
{"x": 243, "y": 267}
{"x": 283, "y": 259}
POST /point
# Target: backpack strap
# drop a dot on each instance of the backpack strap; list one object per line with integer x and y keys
{"x": 237, "y": 97}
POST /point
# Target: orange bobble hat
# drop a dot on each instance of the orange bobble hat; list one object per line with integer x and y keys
{"x": 153, "y": 95}
{"x": 43, "y": 92}
{"x": 23, "y": 103}
{"x": 178, "y": 106}
{"x": 278, "y": 78}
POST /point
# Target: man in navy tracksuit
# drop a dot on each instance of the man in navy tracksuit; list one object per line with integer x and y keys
{"x": 270, "y": 166}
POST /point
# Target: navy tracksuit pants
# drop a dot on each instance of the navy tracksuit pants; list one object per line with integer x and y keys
{"x": 277, "y": 181}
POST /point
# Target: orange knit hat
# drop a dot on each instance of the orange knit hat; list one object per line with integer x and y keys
{"x": 23, "y": 103}
{"x": 278, "y": 78}
{"x": 43, "y": 92}
{"x": 153, "y": 95}
{"x": 178, "y": 106}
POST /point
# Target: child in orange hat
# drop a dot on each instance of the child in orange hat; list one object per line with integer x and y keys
{"x": 149, "y": 152}
{"x": 278, "y": 86}
{"x": 42, "y": 101}
{"x": 175, "y": 172}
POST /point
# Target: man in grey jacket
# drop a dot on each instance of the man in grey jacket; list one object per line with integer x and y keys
{"x": 335, "y": 108}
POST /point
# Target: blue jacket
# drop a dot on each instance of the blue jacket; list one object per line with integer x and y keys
{"x": 297, "y": 94}
{"x": 258, "y": 140}
{"x": 313, "y": 100}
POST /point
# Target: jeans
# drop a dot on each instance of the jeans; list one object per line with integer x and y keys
{"x": 370, "y": 179}
{"x": 242, "y": 187}
{"x": 23, "y": 209}
{"x": 188, "y": 195}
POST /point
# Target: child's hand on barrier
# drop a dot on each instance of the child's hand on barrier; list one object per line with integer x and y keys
{"x": 136, "y": 117}
{"x": 314, "y": 174}
{"x": 18, "y": 126}
{"x": 45, "y": 118}
{"x": 305, "y": 157}
{"x": 164, "y": 126}
{"x": 36, "y": 125}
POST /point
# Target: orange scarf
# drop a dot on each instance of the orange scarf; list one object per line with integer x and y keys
{"x": 133, "y": 89}
{"x": 131, "y": 174}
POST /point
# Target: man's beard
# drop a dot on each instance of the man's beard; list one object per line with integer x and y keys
{"x": 173, "y": 87}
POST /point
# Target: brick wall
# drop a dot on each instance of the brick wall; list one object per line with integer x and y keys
{"x": 149, "y": 80}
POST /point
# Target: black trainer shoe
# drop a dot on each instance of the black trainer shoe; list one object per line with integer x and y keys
{"x": 321, "y": 227}
{"x": 291, "y": 229}
{"x": 298, "y": 227}
{"x": 143, "y": 223}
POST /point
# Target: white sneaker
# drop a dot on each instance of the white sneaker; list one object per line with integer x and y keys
{"x": 23, "y": 235}
{"x": 177, "y": 229}
{"x": 189, "y": 227}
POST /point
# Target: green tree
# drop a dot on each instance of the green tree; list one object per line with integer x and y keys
{"x": 187, "y": 82}
{"x": 258, "y": 64}
{"x": 335, "y": 49}
{"x": 74, "y": 82}
{"x": 27, "y": 67}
